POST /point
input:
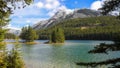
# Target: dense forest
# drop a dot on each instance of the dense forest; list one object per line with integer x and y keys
{"x": 91, "y": 28}
{"x": 57, "y": 36}
{"x": 10, "y": 58}
{"x": 28, "y": 34}
{"x": 10, "y": 36}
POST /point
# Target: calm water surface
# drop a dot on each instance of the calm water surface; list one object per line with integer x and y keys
{"x": 62, "y": 55}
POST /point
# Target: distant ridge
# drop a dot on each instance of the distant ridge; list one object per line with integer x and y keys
{"x": 62, "y": 15}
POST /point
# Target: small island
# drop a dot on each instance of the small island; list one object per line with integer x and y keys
{"x": 57, "y": 36}
{"x": 28, "y": 34}
{"x": 91, "y": 35}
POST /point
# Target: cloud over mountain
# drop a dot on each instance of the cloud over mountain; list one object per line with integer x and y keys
{"x": 96, "y": 5}
{"x": 44, "y": 9}
{"x": 39, "y": 10}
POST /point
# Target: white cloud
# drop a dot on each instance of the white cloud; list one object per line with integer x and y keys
{"x": 28, "y": 21}
{"x": 49, "y": 1}
{"x": 48, "y": 6}
{"x": 39, "y": 4}
{"x": 56, "y": 3}
{"x": 26, "y": 25}
{"x": 31, "y": 21}
{"x": 40, "y": 10}
{"x": 62, "y": 7}
{"x": 37, "y": 9}
{"x": 96, "y": 5}
{"x": 51, "y": 13}
{"x": 52, "y": 4}
{"x": 12, "y": 27}
{"x": 66, "y": 9}
{"x": 29, "y": 10}
{"x": 115, "y": 13}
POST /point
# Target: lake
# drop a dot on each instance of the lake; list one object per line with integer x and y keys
{"x": 62, "y": 55}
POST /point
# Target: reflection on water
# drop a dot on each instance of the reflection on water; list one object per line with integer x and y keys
{"x": 62, "y": 55}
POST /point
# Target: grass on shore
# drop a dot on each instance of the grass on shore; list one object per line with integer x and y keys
{"x": 3, "y": 43}
{"x": 29, "y": 43}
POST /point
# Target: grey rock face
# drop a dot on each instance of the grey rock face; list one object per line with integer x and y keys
{"x": 62, "y": 15}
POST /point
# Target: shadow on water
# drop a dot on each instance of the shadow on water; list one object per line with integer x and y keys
{"x": 104, "y": 48}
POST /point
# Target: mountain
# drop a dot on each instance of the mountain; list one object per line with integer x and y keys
{"x": 14, "y": 31}
{"x": 62, "y": 15}
{"x": 59, "y": 16}
{"x": 90, "y": 28}
{"x": 83, "y": 13}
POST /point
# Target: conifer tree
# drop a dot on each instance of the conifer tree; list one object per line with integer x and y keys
{"x": 57, "y": 36}
{"x": 6, "y": 11}
{"x": 28, "y": 34}
{"x": 14, "y": 59}
{"x": 110, "y": 5}
{"x": 10, "y": 59}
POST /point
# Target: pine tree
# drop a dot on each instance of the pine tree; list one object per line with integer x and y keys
{"x": 23, "y": 34}
{"x": 14, "y": 59}
{"x": 28, "y": 34}
{"x": 116, "y": 38}
{"x": 2, "y": 33}
{"x": 110, "y": 5}
{"x": 6, "y": 11}
{"x": 57, "y": 36}
{"x": 9, "y": 59}
{"x": 4, "y": 18}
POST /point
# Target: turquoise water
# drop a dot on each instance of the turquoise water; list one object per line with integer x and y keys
{"x": 63, "y": 55}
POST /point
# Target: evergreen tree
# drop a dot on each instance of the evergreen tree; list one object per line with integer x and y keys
{"x": 6, "y": 11}
{"x": 110, "y": 5}
{"x": 14, "y": 59}
{"x": 57, "y": 36}
{"x": 116, "y": 38}
{"x": 23, "y": 34}
{"x": 4, "y": 17}
{"x": 96, "y": 28}
{"x": 28, "y": 34}
{"x": 53, "y": 36}
{"x": 10, "y": 36}
{"x": 9, "y": 59}
{"x": 2, "y": 33}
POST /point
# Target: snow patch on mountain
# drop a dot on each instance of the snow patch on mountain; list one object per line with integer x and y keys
{"x": 62, "y": 15}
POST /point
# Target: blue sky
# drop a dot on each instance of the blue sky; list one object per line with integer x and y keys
{"x": 44, "y": 9}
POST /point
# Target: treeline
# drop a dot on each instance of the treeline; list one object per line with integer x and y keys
{"x": 57, "y": 36}
{"x": 92, "y": 28}
{"x": 10, "y": 36}
{"x": 28, "y": 34}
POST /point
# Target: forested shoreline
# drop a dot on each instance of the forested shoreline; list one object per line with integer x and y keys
{"x": 91, "y": 28}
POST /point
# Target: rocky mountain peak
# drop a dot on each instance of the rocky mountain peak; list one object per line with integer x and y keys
{"x": 62, "y": 15}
